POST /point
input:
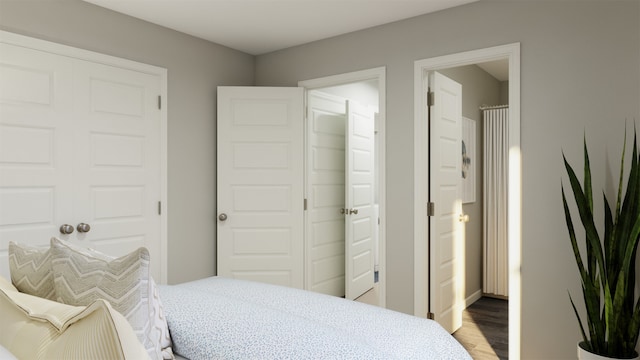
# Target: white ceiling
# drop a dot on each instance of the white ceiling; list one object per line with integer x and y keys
{"x": 261, "y": 26}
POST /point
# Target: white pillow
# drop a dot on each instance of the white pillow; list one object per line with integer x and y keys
{"x": 81, "y": 276}
{"x": 30, "y": 269}
{"x": 37, "y": 328}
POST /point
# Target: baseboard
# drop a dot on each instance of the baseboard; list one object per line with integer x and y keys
{"x": 473, "y": 298}
{"x": 500, "y": 297}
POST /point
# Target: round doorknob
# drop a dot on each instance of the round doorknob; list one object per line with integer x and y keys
{"x": 83, "y": 228}
{"x": 222, "y": 217}
{"x": 66, "y": 229}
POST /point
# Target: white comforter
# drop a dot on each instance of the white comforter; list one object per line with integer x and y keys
{"x": 219, "y": 318}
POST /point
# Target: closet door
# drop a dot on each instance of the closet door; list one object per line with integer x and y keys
{"x": 36, "y": 147}
{"x": 116, "y": 157}
{"x": 325, "y": 219}
{"x": 79, "y": 144}
{"x": 360, "y": 218}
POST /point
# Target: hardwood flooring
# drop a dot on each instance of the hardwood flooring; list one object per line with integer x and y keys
{"x": 485, "y": 329}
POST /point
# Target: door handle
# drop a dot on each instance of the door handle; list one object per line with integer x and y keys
{"x": 464, "y": 218}
{"x": 83, "y": 228}
{"x": 348, "y": 211}
{"x": 222, "y": 217}
{"x": 66, "y": 229}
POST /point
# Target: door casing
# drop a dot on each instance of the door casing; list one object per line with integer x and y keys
{"x": 421, "y": 177}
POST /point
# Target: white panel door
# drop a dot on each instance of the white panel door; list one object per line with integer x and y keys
{"x": 117, "y": 161}
{"x": 260, "y": 184}
{"x": 36, "y": 135}
{"x": 360, "y": 216}
{"x": 325, "y": 230}
{"x": 446, "y": 261}
{"x": 79, "y": 143}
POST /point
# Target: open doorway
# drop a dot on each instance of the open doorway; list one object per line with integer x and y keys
{"x": 424, "y": 254}
{"x": 352, "y": 265}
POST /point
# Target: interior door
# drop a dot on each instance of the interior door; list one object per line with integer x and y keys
{"x": 79, "y": 143}
{"x": 117, "y": 160}
{"x": 36, "y": 136}
{"x": 260, "y": 184}
{"x": 446, "y": 242}
{"x": 325, "y": 186}
{"x": 360, "y": 218}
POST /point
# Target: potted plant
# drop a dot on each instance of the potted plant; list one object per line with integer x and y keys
{"x": 608, "y": 269}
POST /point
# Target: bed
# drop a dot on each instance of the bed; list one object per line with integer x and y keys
{"x": 80, "y": 303}
{"x": 221, "y": 318}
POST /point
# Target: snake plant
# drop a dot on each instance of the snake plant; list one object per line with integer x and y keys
{"x": 608, "y": 270}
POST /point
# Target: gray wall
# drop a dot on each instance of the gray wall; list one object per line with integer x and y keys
{"x": 195, "y": 67}
{"x": 478, "y": 88}
{"x": 504, "y": 92}
{"x": 580, "y": 71}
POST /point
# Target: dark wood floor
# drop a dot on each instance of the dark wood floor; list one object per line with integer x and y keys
{"x": 485, "y": 329}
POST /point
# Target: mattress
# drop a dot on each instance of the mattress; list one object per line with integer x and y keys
{"x": 221, "y": 318}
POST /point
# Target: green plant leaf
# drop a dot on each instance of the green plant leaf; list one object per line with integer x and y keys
{"x": 572, "y": 237}
{"x": 608, "y": 272}
{"x": 584, "y": 335}
{"x": 586, "y": 215}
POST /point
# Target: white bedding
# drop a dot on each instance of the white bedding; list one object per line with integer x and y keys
{"x": 219, "y": 318}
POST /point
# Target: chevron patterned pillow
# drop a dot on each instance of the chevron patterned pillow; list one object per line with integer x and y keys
{"x": 81, "y": 276}
{"x": 30, "y": 269}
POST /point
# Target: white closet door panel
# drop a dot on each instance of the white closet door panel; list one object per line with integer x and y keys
{"x": 36, "y": 133}
{"x": 117, "y": 126}
{"x": 326, "y": 126}
{"x": 360, "y": 180}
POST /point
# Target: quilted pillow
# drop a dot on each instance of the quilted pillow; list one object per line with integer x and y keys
{"x": 37, "y": 328}
{"x": 81, "y": 276}
{"x": 30, "y": 269}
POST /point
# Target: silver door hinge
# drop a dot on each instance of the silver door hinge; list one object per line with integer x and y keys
{"x": 159, "y": 102}
{"x": 430, "y": 98}
{"x": 431, "y": 315}
{"x": 431, "y": 209}
{"x": 159, "y": 207}
{"x": 305, "y": 204}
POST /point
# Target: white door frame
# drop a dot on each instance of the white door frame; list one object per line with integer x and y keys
{"x": 378, "y": 74}
{"x": 81, "y": 54}
{"x": 421, "y": 156}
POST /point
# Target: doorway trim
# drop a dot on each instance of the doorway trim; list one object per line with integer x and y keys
{"x": 421, "y": 177}
{"x": 378, "y": 74}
